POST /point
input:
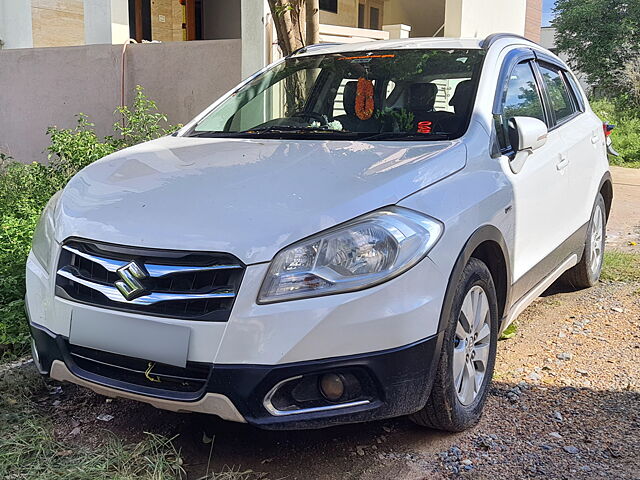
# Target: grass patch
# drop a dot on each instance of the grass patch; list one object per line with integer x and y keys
{"x": 30, "y": 451}
{"x": 621, "y": 267}
{"x": 510, "y": 331}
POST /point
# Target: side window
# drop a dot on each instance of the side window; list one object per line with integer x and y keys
{"x": 559, "y": 97}
{"x": 577, "y": 93}
{"x": 338, "y": 105}
{"x": 521, "y": 99}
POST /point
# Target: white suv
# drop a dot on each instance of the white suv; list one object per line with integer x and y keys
{"x": 340, "y": 238}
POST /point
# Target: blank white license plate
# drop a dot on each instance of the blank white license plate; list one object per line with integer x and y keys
{"x": 133, "y": 337}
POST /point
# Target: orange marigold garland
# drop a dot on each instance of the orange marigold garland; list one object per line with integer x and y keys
{"x": 364, "y": 99}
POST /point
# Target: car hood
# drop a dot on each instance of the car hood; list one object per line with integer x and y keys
{"x": 247, "y": 197}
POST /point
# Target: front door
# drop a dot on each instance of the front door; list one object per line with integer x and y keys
{"x": 540, "y": 185}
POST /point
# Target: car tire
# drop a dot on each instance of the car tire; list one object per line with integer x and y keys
{"x": 586, "y": 272}
{"x": 466, "y": 352}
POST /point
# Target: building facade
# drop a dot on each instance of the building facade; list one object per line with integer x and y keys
{"x": 50, "y": 23}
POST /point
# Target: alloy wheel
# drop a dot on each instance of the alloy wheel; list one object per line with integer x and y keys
{"x": 472, "y": 344}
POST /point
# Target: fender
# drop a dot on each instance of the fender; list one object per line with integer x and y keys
{"x": 481, "y": 235}
{"x": 606, "y": 178}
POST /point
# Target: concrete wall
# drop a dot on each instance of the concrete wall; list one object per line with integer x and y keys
{"x": 48, "y": 86}
{"x": 106, "y": 21}
{"x": 424, "y": 16}
{"x": 477, "y": 19}
{"x": 15, "y": 24}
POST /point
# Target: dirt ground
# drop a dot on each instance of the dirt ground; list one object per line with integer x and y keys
{"x": 565, "y": 403}
{"x": 623, "y": 228}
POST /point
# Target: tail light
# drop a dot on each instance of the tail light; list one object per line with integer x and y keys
{"x": 608, "y": 128}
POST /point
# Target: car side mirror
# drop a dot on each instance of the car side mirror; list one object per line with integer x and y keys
{"x": 526, "y": 134}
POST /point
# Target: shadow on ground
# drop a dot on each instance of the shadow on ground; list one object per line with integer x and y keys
{"x": 599, "y": 434}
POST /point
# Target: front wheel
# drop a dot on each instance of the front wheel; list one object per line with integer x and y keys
{"x": 468, "y": 354}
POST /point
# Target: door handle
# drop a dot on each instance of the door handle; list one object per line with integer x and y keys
{"x": 595, "y": 139}
{"x": 562, "y": 164}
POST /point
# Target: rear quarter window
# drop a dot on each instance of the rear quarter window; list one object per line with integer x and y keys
{"x": 575, "y": 90}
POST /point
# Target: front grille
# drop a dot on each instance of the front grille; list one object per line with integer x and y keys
{"x": 176, "y": 284}
{"x": 190, "y": 380}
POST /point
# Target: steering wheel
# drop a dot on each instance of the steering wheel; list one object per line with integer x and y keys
{"x": 312, "y": 115}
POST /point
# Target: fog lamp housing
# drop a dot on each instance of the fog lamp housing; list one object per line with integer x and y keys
{"x": 332, "y": 386}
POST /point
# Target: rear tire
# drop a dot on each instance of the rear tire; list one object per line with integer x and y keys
{"x": 587, "y": 272}
{"x": 468, "y": 354}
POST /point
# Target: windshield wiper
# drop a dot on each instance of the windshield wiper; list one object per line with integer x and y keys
{"x": 406, "y": 136}
{"x": 205, "y": 133}
{"x": 291, "y": 128}
{"x": 270, "y": 129}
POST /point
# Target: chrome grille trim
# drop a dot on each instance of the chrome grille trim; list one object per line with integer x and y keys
{"x": 153, "y": 270}
{"x": 177, "y": 284}
{"x": 113, "y": 294}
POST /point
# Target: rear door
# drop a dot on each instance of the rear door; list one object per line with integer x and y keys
{"x": 582, "y": 132}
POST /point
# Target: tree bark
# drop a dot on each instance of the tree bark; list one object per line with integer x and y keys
{"x": 312, "y": 14}
{"x": 288, "y": 18}
{"x": 297, "y": 23}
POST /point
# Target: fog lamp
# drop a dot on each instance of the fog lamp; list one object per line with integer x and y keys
{"x": 331, "y": 386}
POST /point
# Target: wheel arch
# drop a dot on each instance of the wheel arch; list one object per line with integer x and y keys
{"x": 606, "y": 190}
{"x": 488, "y": 245}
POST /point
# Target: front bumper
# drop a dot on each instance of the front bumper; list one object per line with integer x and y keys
{"x": 394, "y": 382}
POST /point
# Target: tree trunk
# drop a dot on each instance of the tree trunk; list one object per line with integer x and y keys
{"x": 297, "y": 24}
{"x": 313, "y": 21}
{"x": 289, "y": 19}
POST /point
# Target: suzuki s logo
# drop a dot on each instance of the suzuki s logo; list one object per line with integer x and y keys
{"x": 130, "y": 286}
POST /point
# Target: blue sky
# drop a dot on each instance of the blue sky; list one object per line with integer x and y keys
{"x": 547, "y": 16}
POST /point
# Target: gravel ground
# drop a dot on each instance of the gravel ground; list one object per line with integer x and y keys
{"x": 565, "y": 404}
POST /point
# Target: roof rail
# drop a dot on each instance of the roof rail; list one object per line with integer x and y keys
{"x": 494, "y": 37}
{"x": 307, "y": 48}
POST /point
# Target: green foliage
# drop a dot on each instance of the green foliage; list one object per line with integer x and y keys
{"x": 396, "y": 120}
{"x": 73, "y": 149}
{"x": 626, "y": 135}
{"x": 600, "y": 38}
{"x": 25, "y": 190}
{"x": 510, "y": 331}
{"x": 141, "y": 123}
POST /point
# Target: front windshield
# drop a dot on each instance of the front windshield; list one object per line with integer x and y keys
{"x": 411, "y": 94}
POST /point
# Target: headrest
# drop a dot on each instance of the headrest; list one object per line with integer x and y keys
{"x": 349, "y": 97}
{"x": 461, "y": 100}
{"x": 422, "y": 96}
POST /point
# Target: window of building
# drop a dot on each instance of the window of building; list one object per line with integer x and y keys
{"x": 374, "y": 18}
{"x": 329, "y": 5}
{"x": 361, "y": 11}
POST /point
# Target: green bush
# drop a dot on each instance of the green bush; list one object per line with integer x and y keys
{"x": 25, "y": 190}
{"x": 626, "y": 136}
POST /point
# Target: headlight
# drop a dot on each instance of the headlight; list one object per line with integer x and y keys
{"x": 43, "y": 236}
{"x": 359, "y": 254}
